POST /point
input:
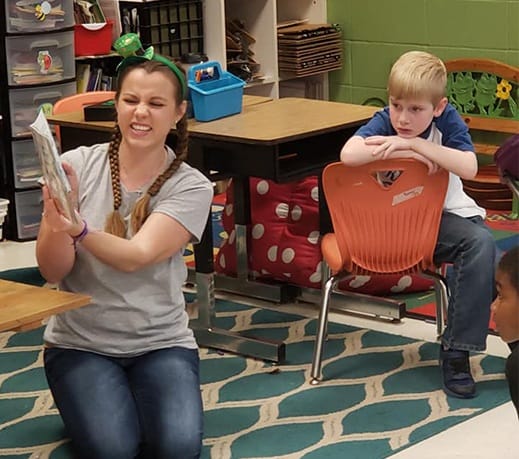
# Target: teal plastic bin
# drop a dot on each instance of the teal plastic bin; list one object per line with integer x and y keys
{"x": 214, "y": 92}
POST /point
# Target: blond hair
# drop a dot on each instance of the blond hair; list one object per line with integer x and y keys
{"x": 417, "y": 74}
{"x": 114, "y": 222}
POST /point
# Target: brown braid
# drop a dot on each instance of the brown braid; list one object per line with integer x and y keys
{"x": 114, "y": 222}
{"x": 141, "y": 210}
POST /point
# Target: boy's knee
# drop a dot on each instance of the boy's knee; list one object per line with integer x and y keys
{"x": 482, "y": 240}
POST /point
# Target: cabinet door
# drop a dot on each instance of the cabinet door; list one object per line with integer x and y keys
{"x": 28, "y": 208}
{"x": 26, "y": 164}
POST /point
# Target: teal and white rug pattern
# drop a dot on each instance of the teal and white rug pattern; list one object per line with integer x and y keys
{"x": 381, "y": 393}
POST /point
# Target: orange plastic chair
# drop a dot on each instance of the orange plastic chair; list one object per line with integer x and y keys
{"x": 77, "y": 102}
{"x": 380, "y": 229}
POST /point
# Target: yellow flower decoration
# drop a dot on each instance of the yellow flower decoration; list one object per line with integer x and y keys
{"x": 503, "y": 90}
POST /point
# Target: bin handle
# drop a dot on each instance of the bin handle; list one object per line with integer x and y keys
{"x": 44, "y": 44}
{"x": 47, "y": 95}
{"x": 196, "y": 70}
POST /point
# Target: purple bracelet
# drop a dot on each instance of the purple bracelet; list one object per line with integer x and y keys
{"x": 77, "y": 239}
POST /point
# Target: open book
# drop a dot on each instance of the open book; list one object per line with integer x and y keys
{"x": 53, "y": 174}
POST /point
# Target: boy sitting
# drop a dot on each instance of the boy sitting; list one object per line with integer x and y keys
{"x": 506, "y": 316}
{"x": 419, "y": 123}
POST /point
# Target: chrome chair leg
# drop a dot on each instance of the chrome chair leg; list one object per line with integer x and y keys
{"x": 441, "y": 295}
{"x": 442, "y": 300}
{"x": 321, "y": 329}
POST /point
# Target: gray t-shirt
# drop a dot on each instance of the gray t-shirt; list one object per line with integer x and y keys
{"x": 130, "y": 313}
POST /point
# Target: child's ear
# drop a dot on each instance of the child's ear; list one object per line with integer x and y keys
{"x": 440, "y": 106}
{"x": 181, "y": 110}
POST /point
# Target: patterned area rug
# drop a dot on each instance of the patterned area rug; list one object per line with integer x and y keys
{"x": 381, "y": 394}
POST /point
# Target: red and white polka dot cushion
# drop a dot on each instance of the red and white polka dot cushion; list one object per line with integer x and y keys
{"x": 283, "y": 240}
{"x": 285, "y": 231}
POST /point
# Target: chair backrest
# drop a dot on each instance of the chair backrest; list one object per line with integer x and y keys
{"x": 385, "y": 228}
{"x": 484, "y": 91}
{"x": 76, "y": 102}
{"x": 486, "y": 94}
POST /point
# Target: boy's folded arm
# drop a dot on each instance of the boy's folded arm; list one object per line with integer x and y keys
{"x": 358, "y": 151}
{"x": 462, "y": 163}
{"x": 355, "y": 152}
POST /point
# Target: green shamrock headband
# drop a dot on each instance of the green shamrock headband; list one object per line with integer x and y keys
{"x": 130, "y": 48}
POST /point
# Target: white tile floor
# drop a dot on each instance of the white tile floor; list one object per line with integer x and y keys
{"x": 491, "y": 435}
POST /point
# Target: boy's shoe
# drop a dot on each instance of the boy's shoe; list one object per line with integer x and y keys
{"x": 455, "y": 368}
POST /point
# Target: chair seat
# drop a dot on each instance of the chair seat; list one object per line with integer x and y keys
{"x": 331, "y": 252}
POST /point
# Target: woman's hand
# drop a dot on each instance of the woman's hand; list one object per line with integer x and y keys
{"x": 73, "y": 181}
{"x": 55, "y": 219}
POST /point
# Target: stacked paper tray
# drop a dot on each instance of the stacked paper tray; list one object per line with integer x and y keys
{"x": 308, "y": 49}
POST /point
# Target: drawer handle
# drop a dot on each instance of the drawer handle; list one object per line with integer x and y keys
{"x": 47, "y": 95}
{"x": 44, "y": 44}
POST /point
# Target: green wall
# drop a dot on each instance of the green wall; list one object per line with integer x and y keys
{"x": 376, "y": 32}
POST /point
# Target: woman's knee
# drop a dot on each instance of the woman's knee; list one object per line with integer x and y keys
{"x": 182, "y": 447}
{"x": 171, "y": 439}
{"x": 108, "y": 448}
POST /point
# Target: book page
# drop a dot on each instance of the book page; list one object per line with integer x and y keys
{"x": 53, "y": 174}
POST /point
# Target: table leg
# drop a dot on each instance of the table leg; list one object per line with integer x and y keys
{"x": 278, "y": 292}
{"x": 207, "y": 335}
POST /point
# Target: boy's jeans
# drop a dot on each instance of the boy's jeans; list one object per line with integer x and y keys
{"x": 119, "y": 408}
{"x": 468, "y": 244}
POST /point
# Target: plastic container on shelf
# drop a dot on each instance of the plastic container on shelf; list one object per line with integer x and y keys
{"x": 93, "y": 39}
{"x": 214, "y": 92}
{"x": 38, "y": 16}
{"x": 36, "y": 59}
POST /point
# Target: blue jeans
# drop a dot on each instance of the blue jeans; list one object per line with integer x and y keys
{"x": 468, "y": 244}
{"x": 148, "y": 406}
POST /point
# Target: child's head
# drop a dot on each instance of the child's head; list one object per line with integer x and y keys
{"x": 416, "y": 90}
{"x": 418, "y": 75}
{"x": 506, "y": 305}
